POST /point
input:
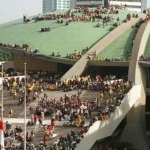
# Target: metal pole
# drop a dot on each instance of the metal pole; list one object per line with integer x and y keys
{"x": 2, "y": 94}
{"x": 25, "y": 108}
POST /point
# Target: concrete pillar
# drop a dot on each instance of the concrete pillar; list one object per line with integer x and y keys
{"x": 145, "y": 4}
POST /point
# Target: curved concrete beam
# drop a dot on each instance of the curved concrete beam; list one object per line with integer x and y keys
{"x": 137, "y": 74}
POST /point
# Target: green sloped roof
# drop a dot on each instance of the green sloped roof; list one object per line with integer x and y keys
{"x": 119, "y": 46}
{"x": 61, "y": 38}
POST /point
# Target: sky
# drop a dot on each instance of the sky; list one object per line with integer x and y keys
{"x": 14, "y": 9}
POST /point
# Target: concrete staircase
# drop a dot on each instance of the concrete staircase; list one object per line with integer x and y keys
{"x": 82, "y": 64}
{"x": 103, "y": 129}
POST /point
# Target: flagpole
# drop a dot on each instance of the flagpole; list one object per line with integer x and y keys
{"x": 2, "y": 145}
{"x": 2, "y": 93}
{"x": 25, "y": 109}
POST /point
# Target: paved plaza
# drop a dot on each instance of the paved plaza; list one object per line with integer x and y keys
{"x": 18, "y": 117}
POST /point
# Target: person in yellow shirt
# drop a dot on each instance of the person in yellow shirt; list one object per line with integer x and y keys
{"x": 15, "y": 94}
{"x": 101, "y": 95}
{"x": 10, "y": 113}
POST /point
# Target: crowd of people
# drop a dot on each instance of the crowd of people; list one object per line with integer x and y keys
{"x": 48, "y": 80}
{"x": 74, "y": 112}
{"x": 45, "y": 29}
{"x": 70, "y": 109}
{"x": 14, "y": 137}
{"x": 81, "y": 13}
{"x": 94, "y": 57}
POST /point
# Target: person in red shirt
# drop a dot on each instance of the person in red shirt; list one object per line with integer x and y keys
{"x": 48, "y": 128}
{"x": 35, "y": 118}
{"x": 45, "y": 139}
{"x": 52, "y": 123}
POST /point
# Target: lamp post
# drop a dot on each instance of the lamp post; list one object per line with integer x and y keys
{"x": 25, "y": 108}
{"x": 2, "y": 103}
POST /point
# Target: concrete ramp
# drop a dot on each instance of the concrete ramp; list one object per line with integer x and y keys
{"x": 81, "y": 64}
{"x": 103, "y": 129}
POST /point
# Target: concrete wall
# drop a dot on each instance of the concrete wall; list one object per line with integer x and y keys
{"x": 137, "y": 4}
{"x": 33, "y": 63}
{"x": 102, "y": 129}
{"x": 9, "y": 64}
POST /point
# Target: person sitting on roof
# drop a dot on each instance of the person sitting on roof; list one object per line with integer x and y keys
{"x": 129, "y": 16}
{"x": 61, "y": 21}
{"x": 42, "y": 30}
{"x": 133, "y": 15}
{"x": 125, "y": 6}
{"x": 79, "y": 55}
{"x": 142, "y": 58}
{"x": 53, "y": 54}
{"x": 75, "y": 53}
{"x": 136, "y": 16}
{"x": 58, "y": 54}
{"x": 67, "y": 23}
{"x": 36, "y": 51}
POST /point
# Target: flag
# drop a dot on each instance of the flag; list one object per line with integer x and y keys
{"x": 2, "y": 135}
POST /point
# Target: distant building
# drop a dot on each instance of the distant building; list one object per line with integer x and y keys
{"x": 53, "y": 5}
{"x": 72, "y": 4}
{"x": 145, "y": 4}
{"x": 91, "y": 3}
{"x": 47, "y": 6}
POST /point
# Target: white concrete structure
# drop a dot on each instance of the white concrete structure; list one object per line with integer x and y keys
{"x": 130, "y": 4}
{"x": 53, "y": 5}
{"x": 14, "y": 9}
{"x": 89, "y": 2}
{"x": 133, "y": 6}
{"x": 138, "y": 75}
{"x": 103, "y": 129}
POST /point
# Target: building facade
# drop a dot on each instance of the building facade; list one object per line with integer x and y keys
{"x": 91, "y": 3}
{"x": 53, "y": 5}
{"x": 47, "y": 6}
{"x": 145, "y": 4}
